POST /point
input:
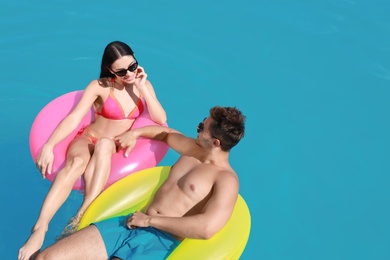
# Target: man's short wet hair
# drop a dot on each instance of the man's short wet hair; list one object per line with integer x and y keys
{"x": 228, "y": 126}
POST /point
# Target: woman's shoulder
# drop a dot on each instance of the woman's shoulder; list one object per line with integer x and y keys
{"x": 99, "y": 84}
{"x": 104, "y": 82}
{"x": 98, "y": 87}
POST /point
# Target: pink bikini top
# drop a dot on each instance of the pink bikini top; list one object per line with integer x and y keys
{"x": 113, "y": 110}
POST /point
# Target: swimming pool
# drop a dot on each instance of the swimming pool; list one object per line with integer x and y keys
{"x": 313, "y": 78}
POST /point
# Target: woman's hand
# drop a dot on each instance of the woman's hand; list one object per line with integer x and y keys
{"x": 45, "y": 160}
{"x": 138, "y": 219}
{"x": 127, "y": 139}
{"x": 140, "y": 78}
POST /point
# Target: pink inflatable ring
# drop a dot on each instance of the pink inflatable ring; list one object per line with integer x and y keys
{"x": 145, "y": 154}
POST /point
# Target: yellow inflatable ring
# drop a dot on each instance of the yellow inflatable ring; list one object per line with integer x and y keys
{"x": 134, "y": 193}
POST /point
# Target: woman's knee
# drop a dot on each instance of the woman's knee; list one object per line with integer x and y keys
{"x": 104, "y": 146}
{"x": 76, "y": 164}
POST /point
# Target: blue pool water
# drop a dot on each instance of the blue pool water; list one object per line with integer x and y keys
{"x": 313, "y": 78}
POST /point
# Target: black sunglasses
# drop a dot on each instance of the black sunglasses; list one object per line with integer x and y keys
{"x": 123, "y": 72}
{"x": 200, "y": 126}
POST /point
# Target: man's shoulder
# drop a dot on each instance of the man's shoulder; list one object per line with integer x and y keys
{"x": 227, "y": 175}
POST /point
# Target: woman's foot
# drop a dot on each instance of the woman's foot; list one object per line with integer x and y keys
{"x": 33, "y": 244}
{"x": 72, "y": 225}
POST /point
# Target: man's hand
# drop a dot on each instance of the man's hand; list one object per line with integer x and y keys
{"x": 138, "y": 219}
{"x": 127, "y": 139}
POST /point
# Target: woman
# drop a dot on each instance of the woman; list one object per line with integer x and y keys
{"x": 118, "y": 97}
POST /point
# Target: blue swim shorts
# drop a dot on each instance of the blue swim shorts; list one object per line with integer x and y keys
{"x": 136, "y": 243}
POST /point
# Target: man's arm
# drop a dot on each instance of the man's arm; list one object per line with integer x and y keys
{"x": 214, "y": 216}
{"x": 176, "y": 140}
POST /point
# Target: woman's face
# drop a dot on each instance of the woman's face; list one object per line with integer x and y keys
{"x": 125, "y": 69}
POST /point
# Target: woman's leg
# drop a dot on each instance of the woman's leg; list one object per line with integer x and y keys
{"x": 98, "y": 171}
{"x": 95, "y": 178}
{"x": 84, "y": 244}
{"x": 78, "y": 155}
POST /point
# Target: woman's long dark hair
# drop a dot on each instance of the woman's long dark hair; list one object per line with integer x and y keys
{"x": 112, "y": 52}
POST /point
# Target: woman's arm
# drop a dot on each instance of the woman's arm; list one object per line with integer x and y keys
{"x": 156, "y": 111}
{"x": 67, "y": 125}
{"x": 71, "y": 121}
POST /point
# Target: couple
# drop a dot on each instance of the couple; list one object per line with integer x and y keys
{"x": 195, "y": 201}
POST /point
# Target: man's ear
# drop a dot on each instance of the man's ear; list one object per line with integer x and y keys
{"x": 216, "y": 142}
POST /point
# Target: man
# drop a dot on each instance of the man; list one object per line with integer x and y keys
{"x": 195, "y": 201}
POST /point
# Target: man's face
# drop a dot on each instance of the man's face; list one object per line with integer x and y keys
{"x": 204, "y": 139}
